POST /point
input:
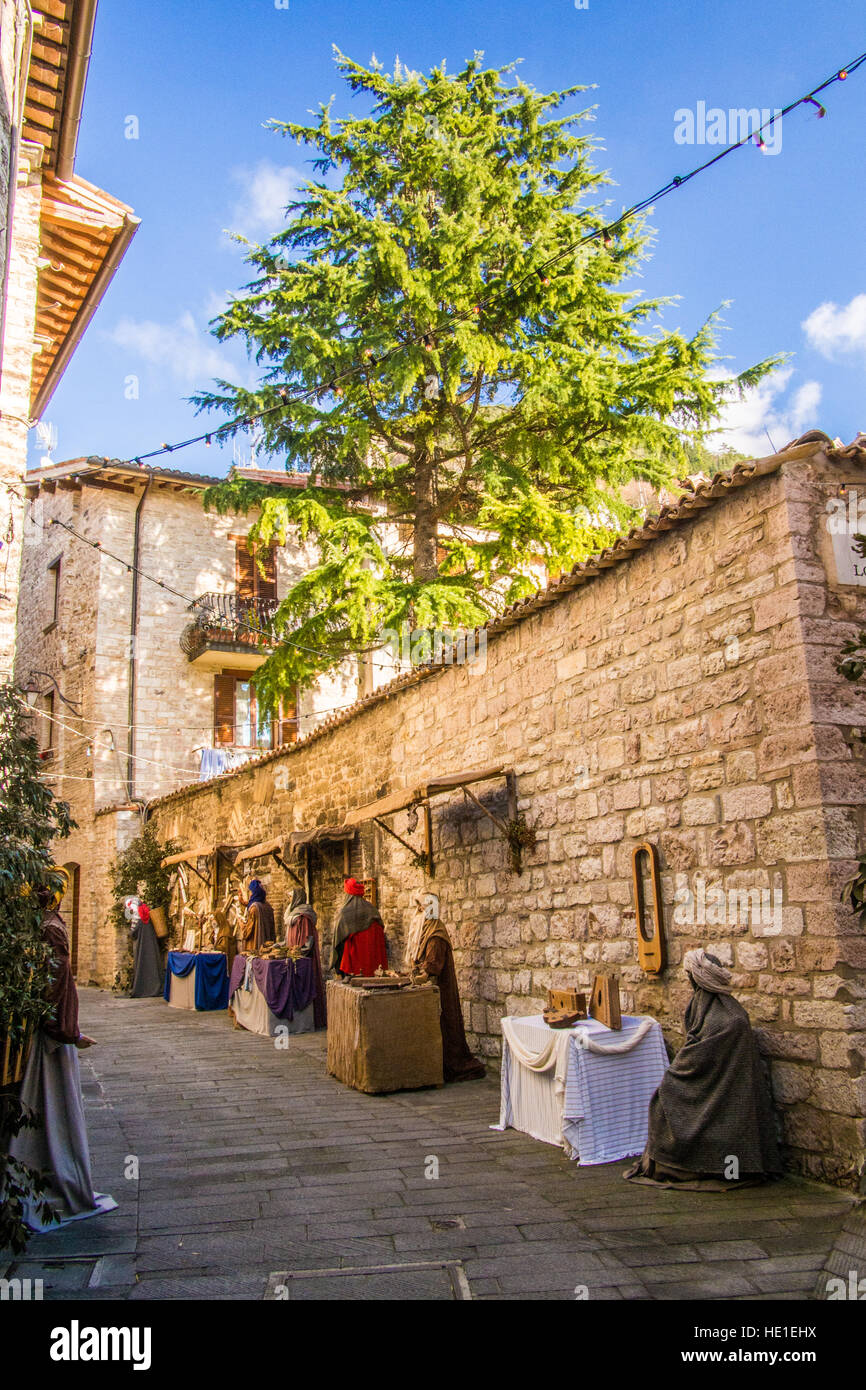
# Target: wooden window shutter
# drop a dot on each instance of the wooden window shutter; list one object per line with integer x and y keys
{"x": 266, "y": 584}
{"x": 245, "y": 571}
{"x": 223, "y": 709}
{"x": 287, "y": 727}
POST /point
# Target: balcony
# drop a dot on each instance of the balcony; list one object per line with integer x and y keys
{"x": 228, "y": 632}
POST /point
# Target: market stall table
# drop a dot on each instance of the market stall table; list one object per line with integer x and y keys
{"x": 273, "y": 996}
{"x": 196, "y": 980}
{"x": 384, "y": 1039}
{"x": 585, "y": 1088}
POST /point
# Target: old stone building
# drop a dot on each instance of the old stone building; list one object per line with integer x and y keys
{"x": 137, "y": 692}
{"x": 62, "y": 241}
{"x": 679, "y": 690}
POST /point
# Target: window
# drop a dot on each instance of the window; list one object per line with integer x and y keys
{"x": 250, "y": 582}
{"x": 237, "y": 720}
{"x": 53, "y": 591}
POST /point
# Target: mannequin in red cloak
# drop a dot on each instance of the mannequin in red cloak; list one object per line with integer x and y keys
{"x": 359, "y": 937}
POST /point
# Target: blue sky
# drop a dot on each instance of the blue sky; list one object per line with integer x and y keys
{"x": 779, "y": 235}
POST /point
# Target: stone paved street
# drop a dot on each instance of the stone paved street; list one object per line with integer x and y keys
{"x": 257, "y": 1169}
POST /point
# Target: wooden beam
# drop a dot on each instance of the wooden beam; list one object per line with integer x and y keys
{"x": 283, "y": 865}
{"x": 489, "y": 814}
{"x": 399, "y": 838}
{"x": 428, "y": 840}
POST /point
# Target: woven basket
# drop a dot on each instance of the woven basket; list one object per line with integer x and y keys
{"x": 160, "y": 923}
{"x": 13, "y": 1058}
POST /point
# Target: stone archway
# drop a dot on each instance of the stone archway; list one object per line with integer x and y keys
{"x": 69, "y": 907}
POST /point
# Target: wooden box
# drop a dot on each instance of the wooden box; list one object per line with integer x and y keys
{"x": 384, "y": 1040}
{"x": 569, "y": 1001}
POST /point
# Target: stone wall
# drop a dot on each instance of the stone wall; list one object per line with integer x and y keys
{"x": 87, "y": 652}
{"x": 686, "y": 696}
{"x": 16, "y": 357}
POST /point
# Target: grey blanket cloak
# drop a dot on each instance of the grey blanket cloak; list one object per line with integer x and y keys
{"x": 148, "y": 971}
{"x": 51, "y": 1088}
{"x": 713, "y": 1103}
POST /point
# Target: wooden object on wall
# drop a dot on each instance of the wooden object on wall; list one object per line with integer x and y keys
{"x": 567, "y": 1001}
{"x": 605, "y": 1001}
{"x": 649, "y": 919}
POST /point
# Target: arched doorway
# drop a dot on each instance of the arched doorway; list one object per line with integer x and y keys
{"x": 69, "y": 909}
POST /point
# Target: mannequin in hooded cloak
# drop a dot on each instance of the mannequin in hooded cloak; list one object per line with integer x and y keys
{"x": 713, "y": 1104}
{"x": 429, "y": 952}
{"x": 51, "y": 1088}
{"x": 359, "y": 937}
{"x": 259, "y": 926}
{"x": 301, "y": 930}
{"x": 148, "y": 972}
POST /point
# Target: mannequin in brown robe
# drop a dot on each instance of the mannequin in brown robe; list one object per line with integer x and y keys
{"x": 259, "y": 919}
{"x": 51, "y": 1089}
{"x": 429, "y": 953}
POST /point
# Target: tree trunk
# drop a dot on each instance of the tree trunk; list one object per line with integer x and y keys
{"x": 426, "y": 566}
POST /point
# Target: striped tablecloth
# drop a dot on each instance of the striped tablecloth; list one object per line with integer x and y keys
{"x": 594, "y": 1106}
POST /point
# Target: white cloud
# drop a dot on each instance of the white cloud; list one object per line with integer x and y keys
{"x": 833, "y": 330}
{"x": 265, "y": 191}
{"x": 804, "y": 407}
{"x": 185, "y": 351}
{"x": 746, "y": 423}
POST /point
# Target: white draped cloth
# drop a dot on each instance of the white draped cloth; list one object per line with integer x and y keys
{"x": 585, "y": 1088}
{"x": 252, "y": 1012}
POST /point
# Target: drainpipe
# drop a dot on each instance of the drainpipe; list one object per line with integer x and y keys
{"x": 133, "y": 635}
{"x": 21, "y": 65}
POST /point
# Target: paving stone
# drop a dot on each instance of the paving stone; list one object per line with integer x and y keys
{"x": 730, "y": 1250}
{"x": 253, "y": 1161}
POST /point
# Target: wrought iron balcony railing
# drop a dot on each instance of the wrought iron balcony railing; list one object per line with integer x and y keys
{"x": 227, "y": 618}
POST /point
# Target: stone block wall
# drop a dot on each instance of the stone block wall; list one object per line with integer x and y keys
{"x": 17, "y": 350}
{"x": 686, "y": 696}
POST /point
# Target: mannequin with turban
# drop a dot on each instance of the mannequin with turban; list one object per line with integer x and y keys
{"x": 259, "y": 924}
{"x": 429, "y": 952}
{"x": 711, "y": 1119}
{"x": 359, "y": 937}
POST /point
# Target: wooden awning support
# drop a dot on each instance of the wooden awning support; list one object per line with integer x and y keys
{"x": 187, "y": 856}
{"x": 421, "y": 796}
{"x": 190, "y": 858}
{"x": 322, "y": 835}
{"x": 275, "y": 847}
{"x": 261, "y": 849}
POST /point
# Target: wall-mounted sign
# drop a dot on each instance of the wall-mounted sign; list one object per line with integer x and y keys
{"x": 850, "y": 566}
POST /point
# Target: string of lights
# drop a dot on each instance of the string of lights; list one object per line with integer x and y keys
{"x": 243, "y": 624}
{"x": 427, "y": 337}
{"x": 106, "y": 747}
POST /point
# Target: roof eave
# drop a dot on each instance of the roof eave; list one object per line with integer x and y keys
{"x": 93, "y": 299}
{"x": 78, "y": 63}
